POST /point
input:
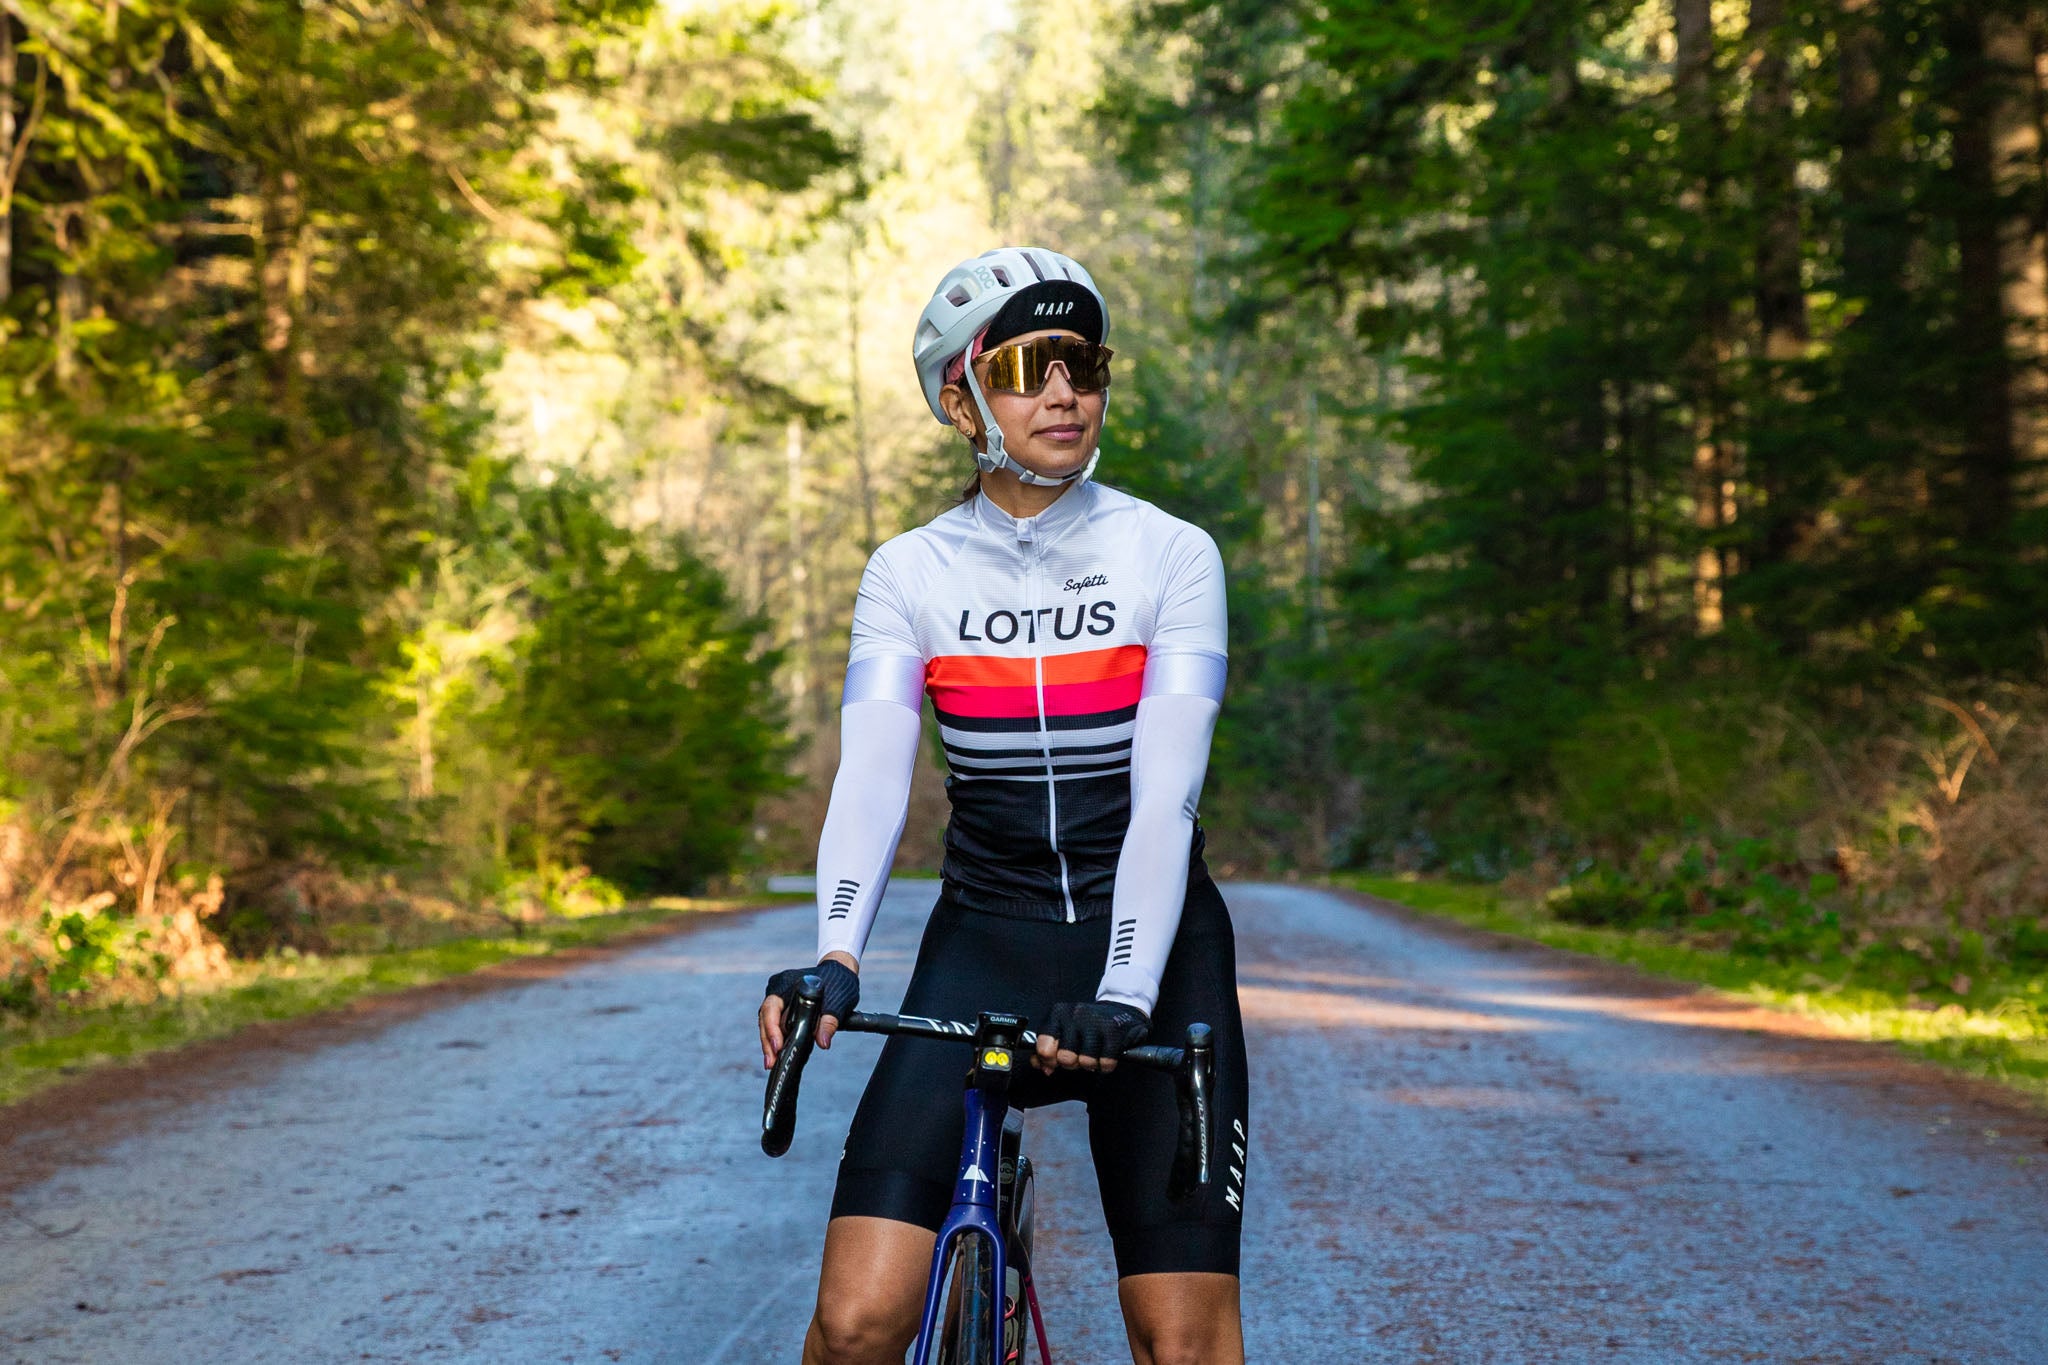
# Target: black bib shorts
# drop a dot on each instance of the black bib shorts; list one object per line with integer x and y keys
{"x": 903, "y": 1151}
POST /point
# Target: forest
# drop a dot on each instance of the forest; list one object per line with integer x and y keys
{"x": 440, "y": 443}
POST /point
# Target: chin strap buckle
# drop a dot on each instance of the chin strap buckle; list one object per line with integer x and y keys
{"x": 990, "y": 461}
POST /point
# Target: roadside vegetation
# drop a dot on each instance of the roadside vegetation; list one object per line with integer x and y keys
{"x": 1992, "y": 1024}
{"x": 41, "y": 1049}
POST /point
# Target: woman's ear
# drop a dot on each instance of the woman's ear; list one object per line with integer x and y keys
{"x": 959, "y": 406}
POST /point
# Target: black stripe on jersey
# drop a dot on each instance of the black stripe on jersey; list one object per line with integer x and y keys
{"x": 1037, "y": 774}
{"x": 1063, "y": 766}
{"x": 975, "y": 755}
{"x": 1060, "y": 758}
{"x": 992, "y": 725}
{"x": 1123, "y": 767}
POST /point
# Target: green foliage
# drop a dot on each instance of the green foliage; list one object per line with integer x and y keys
{"x": 253, "y": 252}
{"x": 1704, "y": 383}
{"x": 87, "y": 951}
{"x": 1753, "y": 893}
{"x": 640, "y": 700}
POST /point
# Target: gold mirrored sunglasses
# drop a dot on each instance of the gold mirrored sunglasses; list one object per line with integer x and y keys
{"x": 1023, "y": 367}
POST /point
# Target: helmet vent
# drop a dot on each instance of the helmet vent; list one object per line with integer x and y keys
{"x": 958, "y": 295}
{"x": 1032, "y": 261}
{"x": 1002, "y": 275}
{"x": 928, "y": 333}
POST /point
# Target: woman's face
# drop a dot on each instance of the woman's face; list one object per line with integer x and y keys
{"x": 1051, "y": 432}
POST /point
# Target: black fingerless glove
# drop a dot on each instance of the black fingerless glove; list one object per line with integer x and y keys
{"x": 841, "y": 983}
{"x": 1098, "y": 1028}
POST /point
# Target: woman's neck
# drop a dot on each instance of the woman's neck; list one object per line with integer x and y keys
{"x": 1018, "y": 498}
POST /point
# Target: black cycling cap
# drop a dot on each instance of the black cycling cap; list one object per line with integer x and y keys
{"x": 1045, "y": 305}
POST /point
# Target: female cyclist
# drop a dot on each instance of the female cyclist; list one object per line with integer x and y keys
{"x": 1071, "y": 639}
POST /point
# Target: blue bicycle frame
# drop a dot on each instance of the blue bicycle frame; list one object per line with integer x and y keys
{"x": 974, "y": 1212}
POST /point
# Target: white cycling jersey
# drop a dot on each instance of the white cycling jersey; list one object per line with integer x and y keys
{"x": 1076, "y": 662}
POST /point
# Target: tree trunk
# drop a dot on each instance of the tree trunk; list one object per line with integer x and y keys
{"x": 810, "y": 702}
{"x": 2014, "y": 50}
{"x": 1988, "y": 462}
{"x": 1780, "y": 294}
{"x": 854, "y": 240}
{"x": 1692, "y": 23}
{"x": 70, "y": 300}
{"x": 7, "y": 74}
{"x": 1870, "y": 242}
{"x": 282, "y": 277}
{"x": 1700, "y": 143}
{"x": 1886, "y": 424}
{"x": 1583, "y": 544}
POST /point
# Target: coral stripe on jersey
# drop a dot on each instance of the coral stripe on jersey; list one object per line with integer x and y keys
{"x": 946, "y": 672}
{"x": 1080, "y": 684}
{"x": 1095, "y": 665}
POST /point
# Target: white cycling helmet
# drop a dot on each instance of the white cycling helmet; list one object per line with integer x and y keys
{"x": 967, "y": 300}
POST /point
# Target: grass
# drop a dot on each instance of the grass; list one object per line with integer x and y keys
{"x": 1999, "y": 1031}
{"x": 43, "y": 1049}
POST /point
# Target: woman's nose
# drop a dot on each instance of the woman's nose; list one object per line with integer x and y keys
{"x": 1059, "y": 387}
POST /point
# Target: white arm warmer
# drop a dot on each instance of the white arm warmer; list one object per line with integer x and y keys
{"x": 1169, "y": 755}
{"x": 870, "y": 797}
{"x": 1184, "y": 677}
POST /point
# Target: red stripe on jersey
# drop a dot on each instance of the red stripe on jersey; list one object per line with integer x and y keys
{"x": 1075, "y": 684}
{"x": 1007, "y": 703}
{"x": 1088, "y": 698}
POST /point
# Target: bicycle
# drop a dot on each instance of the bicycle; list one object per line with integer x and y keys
{"x": 985, "y": 1240}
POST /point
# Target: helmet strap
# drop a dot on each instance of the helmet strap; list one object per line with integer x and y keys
{"x": 992, "y": 457}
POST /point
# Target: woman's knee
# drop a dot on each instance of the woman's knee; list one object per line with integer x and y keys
{"x": 853, "y": 1333}
{"x": 1213, "y": 1346}
{"x": 870, "y": 1292}
{"x": 1157, "y": 1352}
{"x": 1183, "y": 1319}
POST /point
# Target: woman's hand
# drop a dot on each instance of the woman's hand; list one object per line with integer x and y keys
{"x": 1089, "y": 1035}
{"x": 839, "y": 973}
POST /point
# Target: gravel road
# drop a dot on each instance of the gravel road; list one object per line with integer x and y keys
{"x": 1461, "y": 1151}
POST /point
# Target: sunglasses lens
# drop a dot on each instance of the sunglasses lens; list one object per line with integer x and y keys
{"x": 1087, "y": 363}
{"x": 1024, "y": 367}
{"x": 1015, "y": 369}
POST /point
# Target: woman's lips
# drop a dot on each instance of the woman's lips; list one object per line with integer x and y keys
{"x": 1061, "y": 433}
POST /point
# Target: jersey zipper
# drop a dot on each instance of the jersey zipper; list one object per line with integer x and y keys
{"x": 1052, "y": 786}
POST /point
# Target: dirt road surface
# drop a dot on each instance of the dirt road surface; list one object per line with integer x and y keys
{"x": 1462, "y": 1150}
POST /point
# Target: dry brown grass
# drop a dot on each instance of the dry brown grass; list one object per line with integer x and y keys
{"x": 1960, "y": 833}
{"x": 1916, "y": 822}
